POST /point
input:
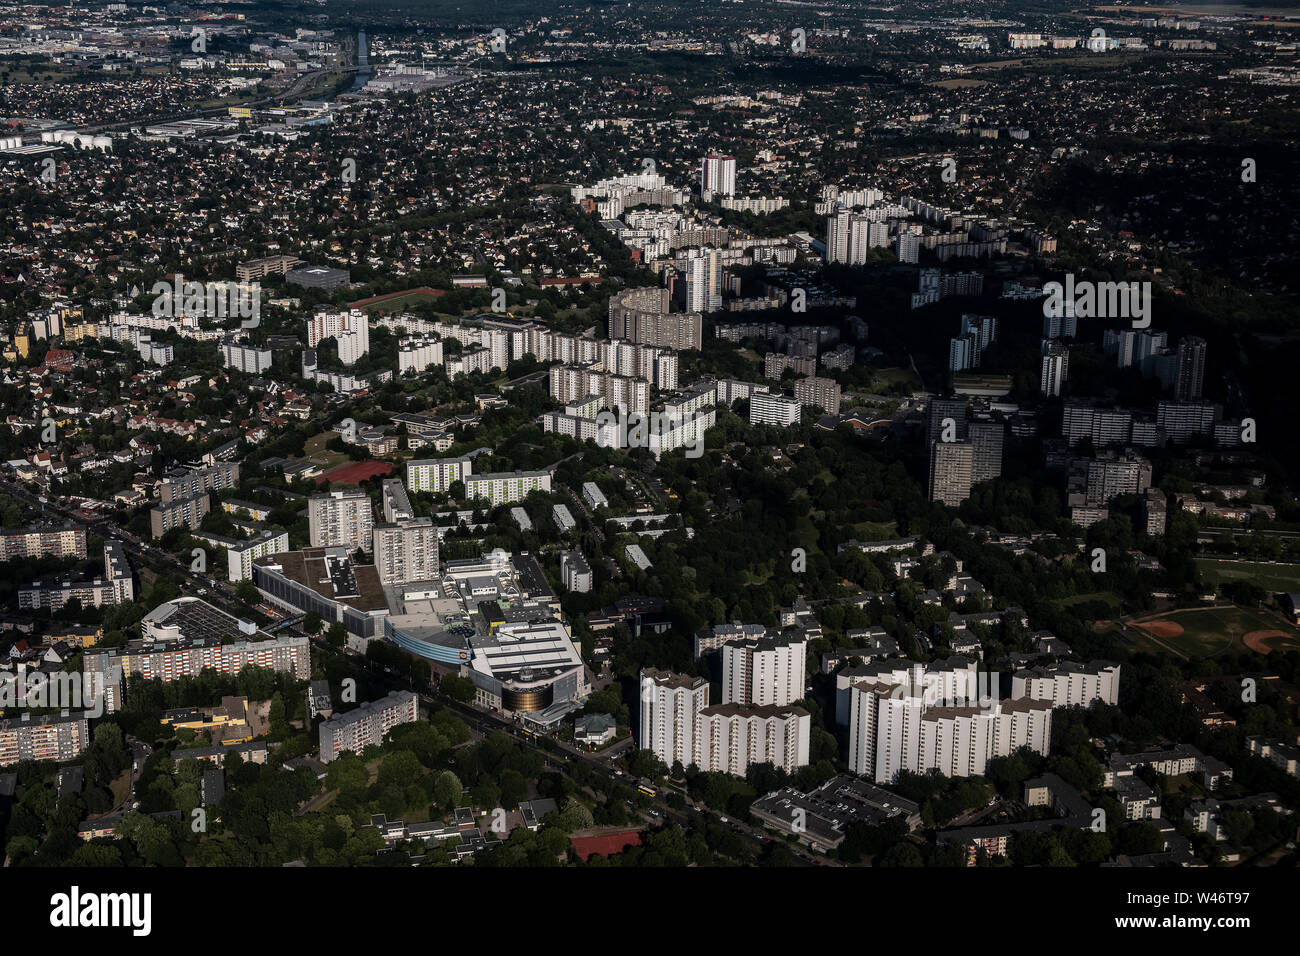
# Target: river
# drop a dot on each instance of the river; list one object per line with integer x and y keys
{"x": 363, "y": 62}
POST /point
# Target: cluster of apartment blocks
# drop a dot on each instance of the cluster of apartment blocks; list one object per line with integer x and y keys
{"x": 1048, "y": 790}
{"x": 242, "y": 552}
{"x": 965, "y": 235}
{"x": 1138, "y": 799}
{"x": 684, "y": 417}
{"x": 946, "y": 716}
{"x": 404, "y": 547}
{"x": 1173, "y": 421}
{"x": 978, "y": 332}
{"x": 801, "y": 341}
{"x": 1181, "y": 369}
{"x": 618, "y": 193}
{"x": 485, "y": 346}
{"x": 645, "y": 339}
{"x": 1092, "y": 482}
{"x": 905, "y": 716}
{"x": 574, "y": 384}
{"x": 642, "y": 341}
{"x": 184, "y": 498}
{"x": 809, "y": 390}
{"x": 675, "y": 427}
{"x": 117, "y": 586}
{"x": 155, "y": 353}
{"x": 350, "y": 330}
{"x": 679, "y": 725}
{"x": 436, "y": 475}
{"x": 621, "y": 373}
{"x": 757, "y": 721}
{"x": 962, "y": 453}
{"x": 934, "y": 285}
{"x": 850, "y": 234}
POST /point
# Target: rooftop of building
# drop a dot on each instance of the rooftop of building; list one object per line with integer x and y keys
{"x": 394, "y": 698}
{"x": 754, "y": 710}
{"x": 830, "y": 809}
{"x": 193, "y": 619}
{"x": 674, "y": 680}
{"x": 525, "y": 651}
{"x": 331, "y": 574}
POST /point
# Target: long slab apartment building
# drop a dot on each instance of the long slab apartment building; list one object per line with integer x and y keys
{"x": 268, "y": 266}
{"x": 184, "y": 636}
{"x": 49, "y": 737}
{"x": 436, "y": 475}
{"x": 219, "y": 477}
{"x": 63, "y": 542}
{"x": 367, "y": 725}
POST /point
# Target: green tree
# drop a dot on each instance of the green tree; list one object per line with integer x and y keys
{"x": 447, "y": 790}
{"x": 247, "y": 592}
{"x": 902, "y": 854}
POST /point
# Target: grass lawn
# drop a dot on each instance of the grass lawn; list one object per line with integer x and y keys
{"x": 119, "y": 788}
{"x": 1182, "y": 782}
{"x": 418, "y": 816}
{"x": 1282, "y": 643}
{"x": 1111, "y": 599}
{"x": 998, "y": 64}
{"x": 316, "y": 450}
{"x": 1270, "y": 577}
{"x": 1077, "y": 58}
{"x": 883, "y": 378}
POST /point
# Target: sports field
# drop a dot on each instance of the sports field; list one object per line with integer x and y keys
{"x": 356, "y": 472}
{"x": 397, "y": 301}
{"x": 1278, "y": 578}
{"x": 1207, "y": 632}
